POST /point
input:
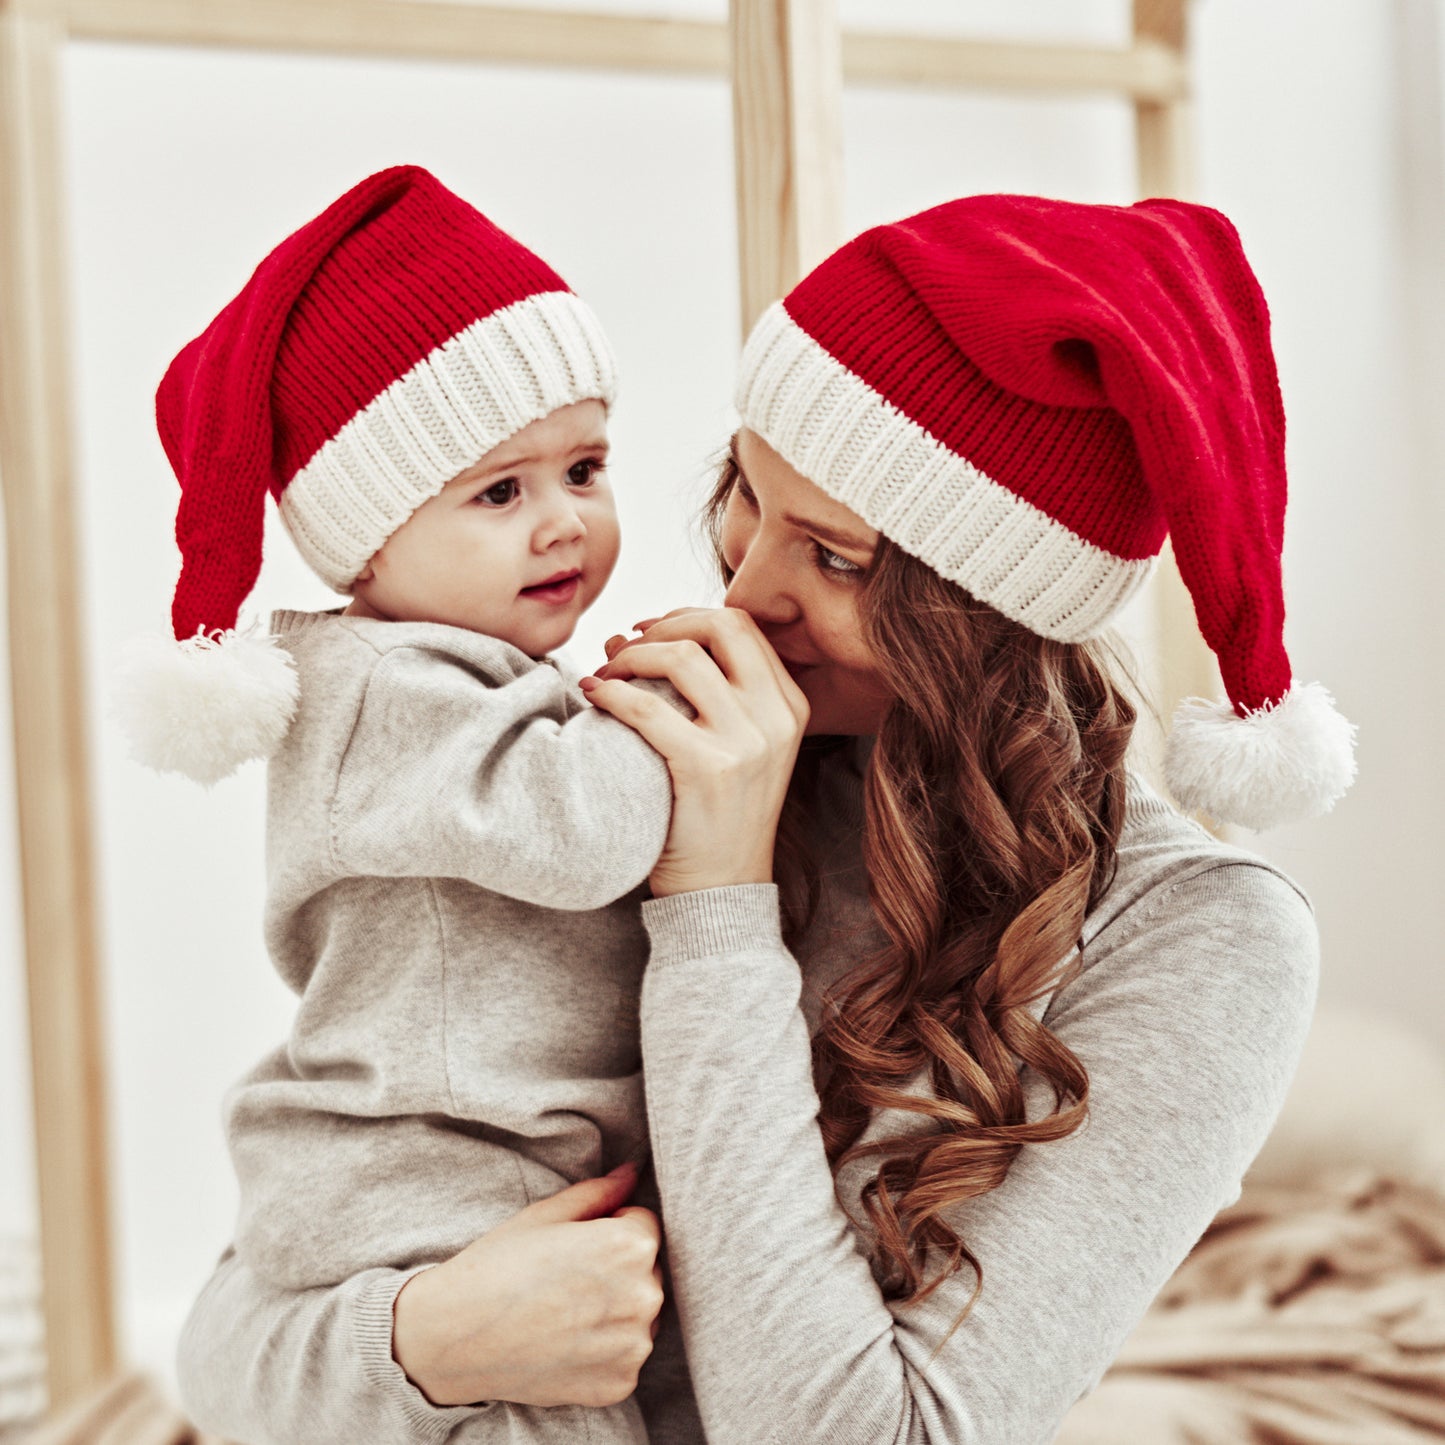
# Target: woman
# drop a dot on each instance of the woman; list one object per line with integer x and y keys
{"x": 963, "y": 439}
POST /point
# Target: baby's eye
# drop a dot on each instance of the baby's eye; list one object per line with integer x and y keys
{"x": 499, "y": 493}
{"x": 584, "y": 473}
{"x": 838, "y": 566}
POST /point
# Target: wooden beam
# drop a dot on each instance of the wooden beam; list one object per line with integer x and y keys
{"x": 51, "y": 768}
{"x": 1146, "y": 71}
{"x": 412, "y": 29}
{"x": 787, "y": 142}
{"x": 1164, "y": 123}
{"x": 1182, "y": 665}
{"x": 447, "y": 30}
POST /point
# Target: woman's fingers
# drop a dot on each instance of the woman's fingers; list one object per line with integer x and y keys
{"x": 658, "y": 722}
{"x": 645, "y": 1219}
{"x": 691, "y": 671}
{"x": 676, "y": 612}
{"x": 657, "y": 1279}
{"x": 731, "y": 763}
{"x": 618, "y": 640}
{"x": 734, "y": 641}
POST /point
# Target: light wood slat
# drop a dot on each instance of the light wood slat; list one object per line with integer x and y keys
{"x": 428, "y": 29}
{"x": 57, "y": 885}
{"x": 1164, "y": 123}
{"x": 787, "y": 142}
{"x": 431, "y": 29}
{"x": 1146, "y": 71}
{"x": 1183, "y": 666}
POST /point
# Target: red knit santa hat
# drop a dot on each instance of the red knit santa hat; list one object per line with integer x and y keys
{"x": 1028, "y": 395}
{"x": 374, "y": 354}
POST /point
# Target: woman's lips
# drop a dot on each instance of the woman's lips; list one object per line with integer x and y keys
{"x": 556, "y": 593}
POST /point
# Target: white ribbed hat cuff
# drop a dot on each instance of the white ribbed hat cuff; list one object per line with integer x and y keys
{"x": 457, "y": 403}
{"x": 841, "y": 434}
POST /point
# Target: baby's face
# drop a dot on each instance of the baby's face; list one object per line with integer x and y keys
{"x": 517, "y": 546}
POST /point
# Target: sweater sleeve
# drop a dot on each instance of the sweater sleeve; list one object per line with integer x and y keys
{"x": 1190, "y": 1018}
{"x": 312, "y": 1367}
{"x": 506, "y": 784}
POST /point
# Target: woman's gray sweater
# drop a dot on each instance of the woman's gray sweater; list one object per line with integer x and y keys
{"x": 1199, "y": 981}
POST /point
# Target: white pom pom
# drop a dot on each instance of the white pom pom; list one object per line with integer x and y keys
{"x": 1278, "y": 765}
{"x": 203, "y": 707}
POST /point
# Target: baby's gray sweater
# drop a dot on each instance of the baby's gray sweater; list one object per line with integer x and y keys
{"x": 1199, "y": 981}
{"x": 456, "y": 844}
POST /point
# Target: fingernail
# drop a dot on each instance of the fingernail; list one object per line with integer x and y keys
{"x": 627, "y": 1166}
{"x": 588, "y": 683}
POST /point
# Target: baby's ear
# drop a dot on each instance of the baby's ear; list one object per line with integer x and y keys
{"x": 365, "y": 575}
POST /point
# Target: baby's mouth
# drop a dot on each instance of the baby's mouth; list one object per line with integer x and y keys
{"x": 560, "y": 587}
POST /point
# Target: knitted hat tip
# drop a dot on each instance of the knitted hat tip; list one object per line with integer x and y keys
{"x": 1281, "y": 764}
{"x": 203, "y": 706}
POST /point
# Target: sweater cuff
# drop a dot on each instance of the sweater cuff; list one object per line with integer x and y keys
{"x": 714, "y": 922}
{"x": 374, "y": 1313}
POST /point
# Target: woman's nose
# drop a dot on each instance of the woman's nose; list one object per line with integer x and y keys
{"x": 760, "y": 586}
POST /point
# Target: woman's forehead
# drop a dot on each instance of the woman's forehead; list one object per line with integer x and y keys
{"x": 800, "y": 500}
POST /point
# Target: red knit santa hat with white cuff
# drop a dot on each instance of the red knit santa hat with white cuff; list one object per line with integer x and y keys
{"x": 374, "y": 354}
{"x": 1028, "y": 395}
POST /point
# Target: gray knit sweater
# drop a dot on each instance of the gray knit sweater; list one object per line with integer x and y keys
{"x": 456, "y": 846}
{"x": 1201, "y": 966}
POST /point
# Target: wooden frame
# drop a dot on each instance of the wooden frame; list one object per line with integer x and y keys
{"x": 789, "y": 61}
{"x": 49, "y": 713}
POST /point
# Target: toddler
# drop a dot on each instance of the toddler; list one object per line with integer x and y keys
{"x": 456, "y": 840}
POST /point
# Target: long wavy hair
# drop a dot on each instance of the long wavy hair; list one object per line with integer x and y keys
{"x": 993, "y": 801}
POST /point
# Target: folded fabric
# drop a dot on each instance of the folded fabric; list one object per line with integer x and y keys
{"x": 1305, "y": 1315}
{"x": 127, "y": 1410}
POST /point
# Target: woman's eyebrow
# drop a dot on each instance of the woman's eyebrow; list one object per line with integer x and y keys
{"x": 847, "y": 540}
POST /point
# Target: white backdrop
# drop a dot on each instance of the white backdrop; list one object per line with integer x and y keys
{"x": 185, "y": 166}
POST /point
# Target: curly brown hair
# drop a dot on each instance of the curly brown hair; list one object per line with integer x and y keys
{"x": 993, "y": 801}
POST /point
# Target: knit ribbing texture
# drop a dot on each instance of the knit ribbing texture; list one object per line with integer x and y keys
{"x": 938, "y": 506}
{"x": 377, "y": 351}
{"x": 453, "y": 406}
{"x": 1030, "y": 395}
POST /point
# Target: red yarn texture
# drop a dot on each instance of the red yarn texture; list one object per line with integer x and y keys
{"x": 1110, "y": 365}
{"x": 333, "y": 316}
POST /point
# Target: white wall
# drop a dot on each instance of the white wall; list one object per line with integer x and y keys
{"x": 186, "y": 166}
{"x": 1299, "y": 145}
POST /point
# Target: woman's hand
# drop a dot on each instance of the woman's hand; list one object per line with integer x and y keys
{"x": 556, "y": 1306}
{"x": 731, "y": 764}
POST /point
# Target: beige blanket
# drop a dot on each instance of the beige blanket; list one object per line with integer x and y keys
{"x": 1304, "y": 1316}
{"x": 127, "y": 1411}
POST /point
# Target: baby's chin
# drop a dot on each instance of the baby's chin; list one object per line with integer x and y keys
{"x": 540, "y": 641}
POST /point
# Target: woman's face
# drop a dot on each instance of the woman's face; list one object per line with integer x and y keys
{"x": 797, "y": 558}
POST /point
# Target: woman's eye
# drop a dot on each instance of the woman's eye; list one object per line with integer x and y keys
{"x": 499, "y": 493}
{"x": 745, "y": 491}
{"x": 832, "y": 562}
{"x": 584, "y": 473}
